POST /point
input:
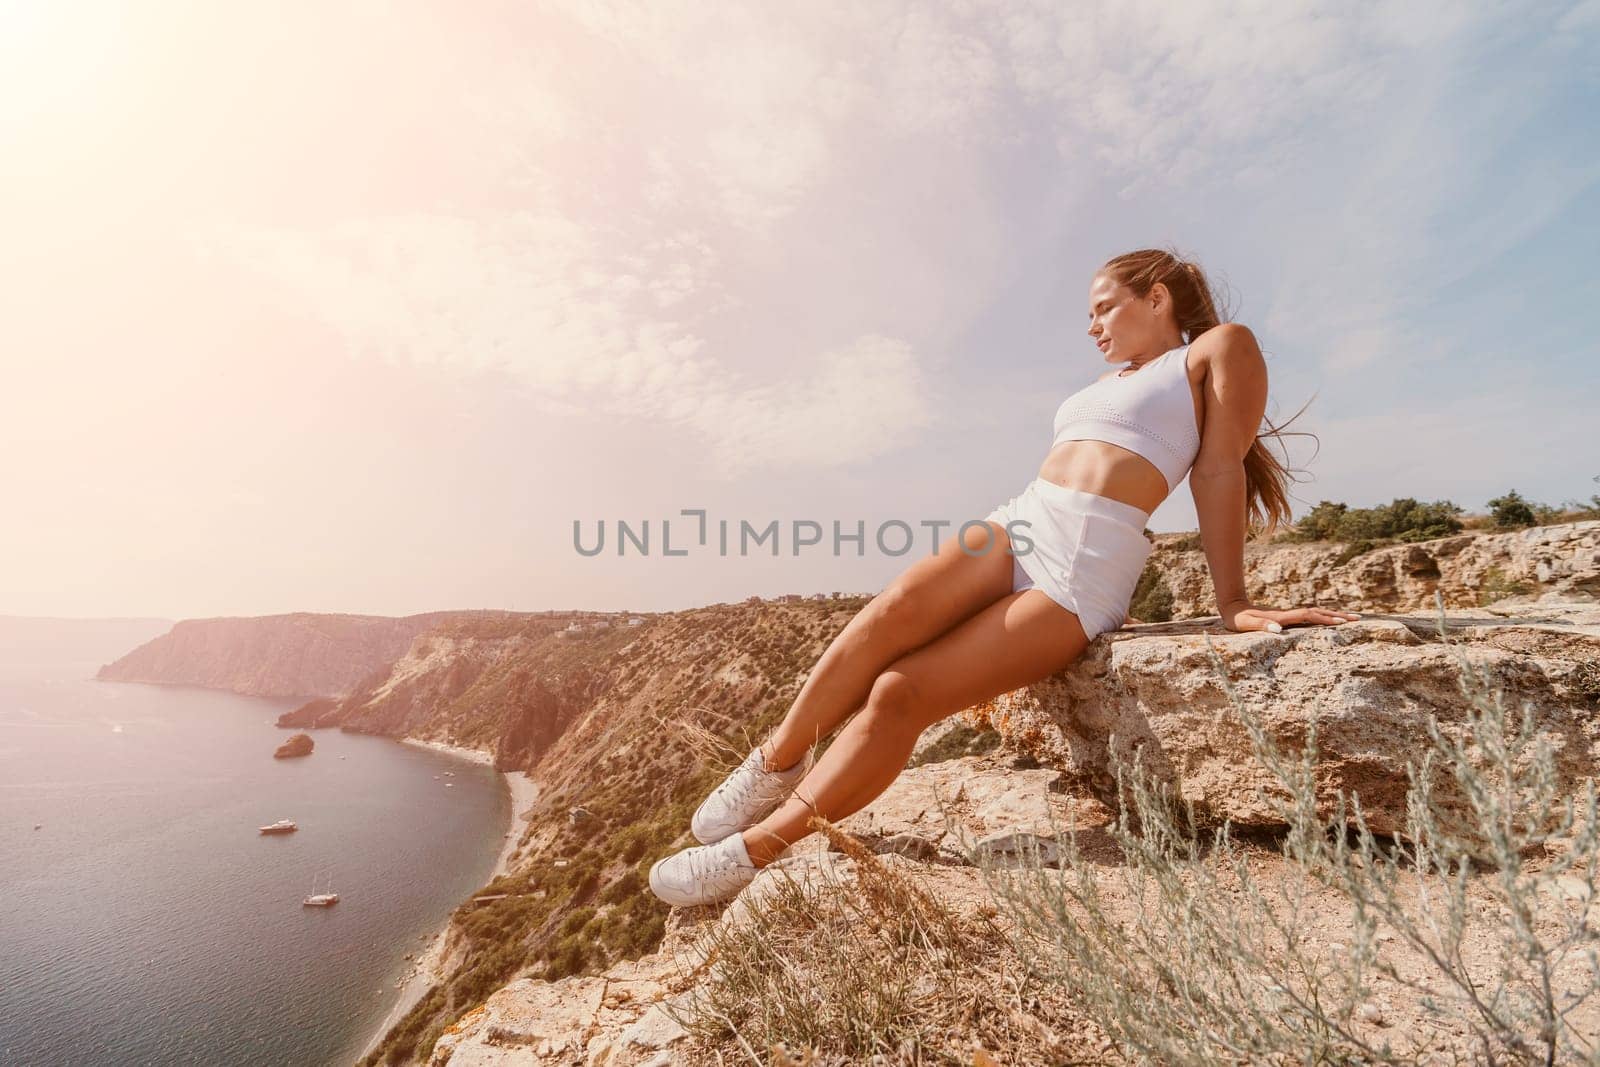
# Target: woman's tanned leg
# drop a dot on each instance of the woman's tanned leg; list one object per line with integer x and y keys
{"x": 1021, "y": 638}
{"x": 929, "y": 598}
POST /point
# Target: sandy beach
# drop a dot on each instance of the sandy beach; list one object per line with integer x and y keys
{"x": 426, "y": 971}
{"x": 524, "y": 792}
{"x": 473, "y": 754}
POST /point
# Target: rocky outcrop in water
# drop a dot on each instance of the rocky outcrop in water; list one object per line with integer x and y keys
{"x": 298, "y": 745}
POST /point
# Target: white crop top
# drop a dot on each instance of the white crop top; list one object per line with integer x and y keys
{"x": 1149, "y": 412}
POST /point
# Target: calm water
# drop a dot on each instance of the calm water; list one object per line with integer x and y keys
{"x": 147, "y": 922}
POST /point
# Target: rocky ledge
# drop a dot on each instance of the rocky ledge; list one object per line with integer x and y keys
{"x": 1370, "y": 686}
{"x": 1476, "y": 567}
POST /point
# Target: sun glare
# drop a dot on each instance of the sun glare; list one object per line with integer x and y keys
{"x": 54, "y": 57}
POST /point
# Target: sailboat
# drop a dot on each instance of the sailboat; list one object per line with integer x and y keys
{"x": 320, "y": 900}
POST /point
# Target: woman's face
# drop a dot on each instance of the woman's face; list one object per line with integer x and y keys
{"x": 1125, "y": 326}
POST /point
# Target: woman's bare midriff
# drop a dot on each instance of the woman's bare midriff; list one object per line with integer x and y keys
{"x": 1109, "y": 470}
{"x": 1106, "y": 470}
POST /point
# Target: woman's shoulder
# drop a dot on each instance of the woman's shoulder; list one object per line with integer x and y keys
{"x": 1224, "y": 336}
{"x": 1227, "y": 343}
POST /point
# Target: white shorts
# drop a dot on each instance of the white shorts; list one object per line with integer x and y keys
{"x": 1082, "y": 550}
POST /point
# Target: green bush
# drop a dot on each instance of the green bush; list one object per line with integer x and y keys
{"x": 1511, "y": 511}
{"x": 575, "y": 921}
{"x": 571, "y": 954}
{"x": 1152, "y": 598}
{"x": 1402, "y": 519}
{"x": 624, "y": 887}
{"x": 1355, "y": 548}
{"x": 633, "y": 841}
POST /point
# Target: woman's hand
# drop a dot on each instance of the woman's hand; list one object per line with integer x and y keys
{"x": 1129, "y": 620}
{"x": 1242, "y": 617}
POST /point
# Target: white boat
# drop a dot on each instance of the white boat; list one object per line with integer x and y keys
{"x": 320, "y": 900}
{"x": 282, "y": 826}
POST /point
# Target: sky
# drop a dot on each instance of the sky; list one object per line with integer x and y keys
{"x": 385, "y": 307}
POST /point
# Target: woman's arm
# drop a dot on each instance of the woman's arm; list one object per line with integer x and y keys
{"x": 1235, "y": 393}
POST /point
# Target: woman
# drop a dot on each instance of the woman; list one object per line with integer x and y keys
{"x": 960, "y": 627}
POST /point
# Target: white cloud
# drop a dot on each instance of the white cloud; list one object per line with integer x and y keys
{"x": 664, "y": 140}
{"x": 855, "y": 403}
{"x": 675, "y": 144}
{"x": 536, "y": 297}
{"x": 1165, "y": 94}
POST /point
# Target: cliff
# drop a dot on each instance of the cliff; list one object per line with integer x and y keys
{"x": 566, "y": 960}
{"x": 506, "y": 686}
{"x": 601, "y": 968}
{"x": 569, "y": 958}
{"x": 295, "y": 655}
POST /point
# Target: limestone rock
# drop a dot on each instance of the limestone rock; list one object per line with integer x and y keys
{"x": 1015, "y": 845}
{"x": 909, "y": 845}
{"x": 1370, "y": 685}
{"x": 620, "y": 1018}
{"x": 1561, "y": 560}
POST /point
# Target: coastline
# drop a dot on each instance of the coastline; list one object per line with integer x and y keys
{"x": 476, "y": 755}
{"x": 426, "y": 972}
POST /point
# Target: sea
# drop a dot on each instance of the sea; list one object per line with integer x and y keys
{"x": 143, "y": 917}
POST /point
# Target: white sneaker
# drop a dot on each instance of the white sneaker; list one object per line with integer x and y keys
{"x": 745, "y": 797}
{"x": 703, "y": 874}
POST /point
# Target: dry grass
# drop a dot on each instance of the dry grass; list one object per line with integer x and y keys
{"x": 708, "y": 746}
{"x": 873, "y": 971}
{"x": 1481, "y": 925}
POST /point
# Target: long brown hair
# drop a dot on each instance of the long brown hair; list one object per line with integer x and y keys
{"x": 1194, "y": 305}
